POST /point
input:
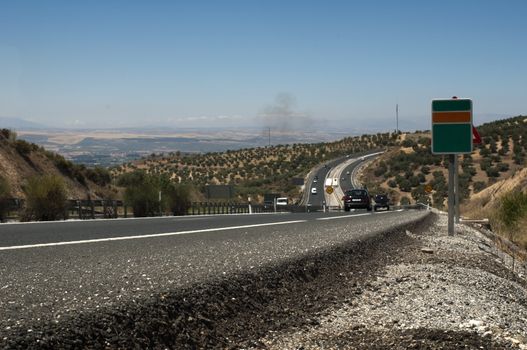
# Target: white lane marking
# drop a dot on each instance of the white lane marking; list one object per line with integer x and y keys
{"x": 147, "y": 236}
{"x": 343, "y": 217}
{"x": 185, "y": 217}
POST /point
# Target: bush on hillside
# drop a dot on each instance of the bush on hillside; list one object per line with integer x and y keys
{"x": 4, "y": 195}
{"x": 98, "y": 175}
{"x": 479, "y": 186}
{"x": 179, "y": 198}
{"x": 513, "y": 207}
{"x": 45, "y": 198}
{"x": 8, "y": 134}
{"x": 23, "y": 147}
{"x": 142, "y": 194}
{"x": 512, "y": 211}
{"x": 405, "y": 200}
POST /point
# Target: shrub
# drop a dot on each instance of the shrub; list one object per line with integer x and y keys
{"x": 513, "y": 207}
{"x": 143, "y": 198}
{"x": 7, "y": 134}
{"x": 439, "y": 199}
{"x": 65, "y": 166}
{"x": 4, "y": 195}
{"x": 98, "y": 175}
{"x": 405, "y": 185}
{"x": 405, "y": 200}
{"x": 179, "y": 198}
{"x": 502, "y": 167}
{"x": 479, "y": 186}
{"x": 484, "y": 152}
{"x": 23, "y": 147}
{"x": 45, "y": 198}
{"x": 493, "y": 172}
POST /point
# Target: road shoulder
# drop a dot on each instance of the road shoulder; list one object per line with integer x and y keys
{"x": 442, "y": 292}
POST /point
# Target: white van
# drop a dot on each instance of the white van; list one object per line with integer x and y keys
{"x": 281, "y": 201}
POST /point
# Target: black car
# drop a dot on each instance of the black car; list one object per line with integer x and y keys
{"x": 357, "y": 199}
{"x": 381, "y": 201}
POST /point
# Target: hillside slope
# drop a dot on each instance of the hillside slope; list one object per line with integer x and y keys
{"x": 21, "y": 160}
{"x": 505, "y": 205}
{"x": 492, "y": 175}
{"x": 406, "y": 169}
{"x": 254, "y": 171}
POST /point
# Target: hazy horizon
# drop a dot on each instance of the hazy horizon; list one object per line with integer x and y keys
{"x": 299, "y": 65}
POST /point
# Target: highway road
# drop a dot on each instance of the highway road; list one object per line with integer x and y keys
{"x": 345, "y": 174}
{"x": 54, "y": 270}
{"x": 317, "y": 176}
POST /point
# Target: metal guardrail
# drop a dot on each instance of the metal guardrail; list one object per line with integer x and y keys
{"x": 108, "y": 209}
{"x": 98, "y": 209}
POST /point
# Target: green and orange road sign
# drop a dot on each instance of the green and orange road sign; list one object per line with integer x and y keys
{"x": 452, "y": 126}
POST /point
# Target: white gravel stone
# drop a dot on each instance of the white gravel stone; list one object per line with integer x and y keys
{"x": 443, "y": 294}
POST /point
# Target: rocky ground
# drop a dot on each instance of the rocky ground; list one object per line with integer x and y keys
{"x": 441, "y": 292}
{"x": 413, "y": 287}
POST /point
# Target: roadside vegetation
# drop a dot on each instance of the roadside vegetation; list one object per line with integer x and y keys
{"x": 46, "y": 199}
{"x": 511, "y": 218}
{"x": 151, "y": 195}
{"x": 4, "y": 196}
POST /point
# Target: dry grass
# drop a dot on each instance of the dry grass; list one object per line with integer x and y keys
{"x": 486, "y": 204}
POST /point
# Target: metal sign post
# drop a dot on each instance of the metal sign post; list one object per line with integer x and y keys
{"x": 451, "y": 199}
{"x": 456, "y": 188}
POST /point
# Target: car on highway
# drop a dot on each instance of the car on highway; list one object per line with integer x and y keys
{"x": 314, "y": 190}
{"x": 282, "y": 201}
{"x": 381, "y": 201}
{"x": 357, "y": 199}
{"x": 315, "y": 181}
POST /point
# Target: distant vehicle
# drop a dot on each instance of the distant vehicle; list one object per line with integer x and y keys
{"x": 347, "y": 172}
{"x": 269, "y": 200}
{"x": 282, "y": 201}
{"x": 362, "y": 158}
{"x": 357, "y": 199}
{"x": 335, "y": 182}
{"x": 381, "y": 201}
{"x": 314, "y": 190}
{"x": 329, "y": 182}
{"x": 315, "y": 181}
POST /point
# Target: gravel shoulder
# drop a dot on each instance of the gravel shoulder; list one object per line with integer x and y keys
{"x": 440, "y": 292}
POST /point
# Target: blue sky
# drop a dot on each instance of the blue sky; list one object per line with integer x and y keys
{"x": 302, "y": 64}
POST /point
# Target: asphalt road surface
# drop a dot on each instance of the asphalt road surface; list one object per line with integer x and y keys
{"x": 57, "y": 269}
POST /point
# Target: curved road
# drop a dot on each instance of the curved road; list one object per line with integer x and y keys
{"x": 318, "y": 175}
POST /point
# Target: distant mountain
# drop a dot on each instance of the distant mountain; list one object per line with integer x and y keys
{"x": 17, "y": 123}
